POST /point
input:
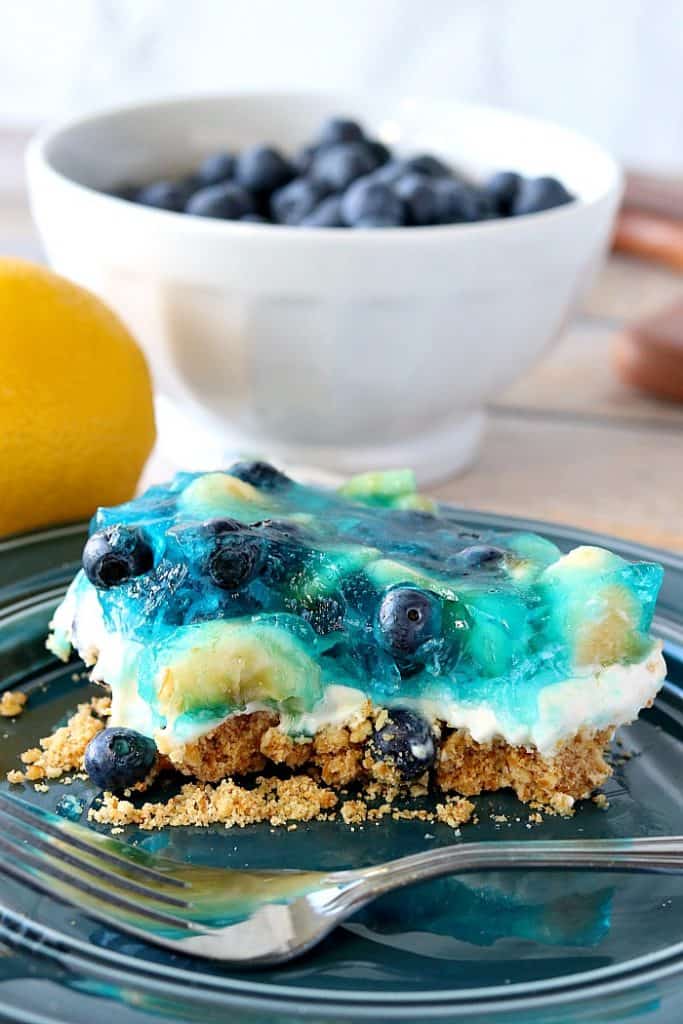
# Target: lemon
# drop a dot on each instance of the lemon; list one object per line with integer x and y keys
{"x": 76, "y": 412}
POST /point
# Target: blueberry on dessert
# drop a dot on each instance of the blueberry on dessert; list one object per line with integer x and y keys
{"x": 406, "y": 742}
{"x": 407, "y": 618}
{"x": 259, "y": 474}
{"x": 234, "y": 559}
{"x": 116, "y": 759}
{"x": 116, "y": 554}
{"x": 241, "y": 617}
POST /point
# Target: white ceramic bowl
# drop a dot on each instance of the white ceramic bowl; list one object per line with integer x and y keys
{"x": 335, "y": 348}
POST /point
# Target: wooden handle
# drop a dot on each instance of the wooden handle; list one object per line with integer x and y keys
{"x": 649, "y": 355}
{"x": 650, "y": 236}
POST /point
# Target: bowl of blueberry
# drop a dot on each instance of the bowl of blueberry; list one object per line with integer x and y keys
{"x": 343, "y": 283}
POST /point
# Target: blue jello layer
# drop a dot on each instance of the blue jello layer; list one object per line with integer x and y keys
{"x": 514, "y": 616}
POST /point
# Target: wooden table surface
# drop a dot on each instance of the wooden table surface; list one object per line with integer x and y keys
{"x": 567, "y": 442}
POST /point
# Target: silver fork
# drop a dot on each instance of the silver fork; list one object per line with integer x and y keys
{"x": 261, "y": 917}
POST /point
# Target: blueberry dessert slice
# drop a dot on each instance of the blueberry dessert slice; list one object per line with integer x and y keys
{"x": 242, "y": 618}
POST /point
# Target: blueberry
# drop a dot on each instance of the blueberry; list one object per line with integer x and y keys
{"x": 303, "y": 159}
{"x": 222, "y": 525}
{"x": 293, "y": 202}
{"x": 339, "y": 129}
{"x": 254, "y": 218}
{"x": 165, "y": 195}
{"x": 118, "y": 758}
{"x": 227, "y": 201}
{"x": 235, "y": 560}
{"x": 376, "y": 222}
{"x": 390, "y": 172}
{"x": 259, "y": 474}
{"x": 428, "y": 165}
{"x": 406, "y": 741}
{"x": 419, "y": 197}
{"x": 381, "y": 153}
{"x": 129, "y": 192}
{"x": 537, "y": 194}
{"x": 502, "y": 189}
{"x": 407, "y": 618}
{"x": 459, "y": 203}
{"x": 262, "y": 169}
{"x": 215, "y": 169}
{"x": 325, "y": 615}
{"x": 327, "y": 214}
{"x": 476, "y": 556}
{"x": 374, "y": 201}
{"x": 116, "y": 554}
{"x": 335, "y": 168}
{"x": 281, "y": 528}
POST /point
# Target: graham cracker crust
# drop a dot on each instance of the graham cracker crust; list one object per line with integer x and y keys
{"x": 340, "y": 754}
{"x": 336, "y": 757}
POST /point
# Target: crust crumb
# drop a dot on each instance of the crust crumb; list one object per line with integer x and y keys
{"x": 410, "y": 814}
{"x": 562, "y": 804}
{"x": 12, "y": 703}
{"x": 32, "y": 755}
{"x": 64, "y": 750}
{"x": 282, "y": 749}
{"x": 339, "y": 759}
{"x": 101, "y": 706}
{"x": 276, "y": 801}
{"x": 354, "y": 812}
{"x": 381, "y": 719}
{"x": 455, "y": 812}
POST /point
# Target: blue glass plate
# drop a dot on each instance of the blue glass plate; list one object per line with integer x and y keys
{"x": 515, "y": 946}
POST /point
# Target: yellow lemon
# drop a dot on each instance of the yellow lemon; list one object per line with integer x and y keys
{"x": 76, "y": 412}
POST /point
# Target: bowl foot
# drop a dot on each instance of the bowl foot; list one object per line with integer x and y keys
{"x": 187, "y": 443}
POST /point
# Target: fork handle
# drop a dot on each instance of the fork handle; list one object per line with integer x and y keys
{"x": 658, "y": 854}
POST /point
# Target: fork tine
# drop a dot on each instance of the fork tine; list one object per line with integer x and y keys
{"x": 46, "y": 872}
{"x": 90, "y": 842}
{"x": 24, "y": 831}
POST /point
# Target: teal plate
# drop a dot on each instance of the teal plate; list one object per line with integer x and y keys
{"x": 509, "y": 947}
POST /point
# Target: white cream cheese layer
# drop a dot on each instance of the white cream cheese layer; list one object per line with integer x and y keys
{"x": 597, "y": 699}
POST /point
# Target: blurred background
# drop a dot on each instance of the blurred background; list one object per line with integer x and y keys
{"x": 609, "y": 68}
{"x": 586, "y": 436}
